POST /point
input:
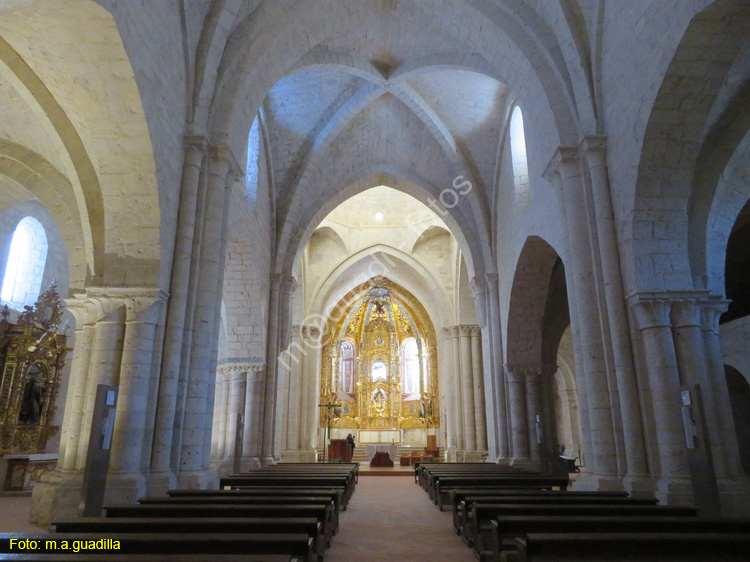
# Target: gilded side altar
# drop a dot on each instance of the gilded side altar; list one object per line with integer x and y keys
{"x": 32, "y": 356}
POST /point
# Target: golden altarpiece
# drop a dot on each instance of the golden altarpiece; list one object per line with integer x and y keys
{"x": 379, "y": 364}
{"x": 32, "y": 356}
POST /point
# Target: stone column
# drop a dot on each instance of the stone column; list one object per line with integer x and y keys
{"x": 495, "y": 384}
{"x": 457, "y": 398}
{"x": 662, "y": 391}
{"x": 692, "y": 363}
{"x": 295, "y": 395}
{"x": 467, "y": 389}
{"x": 104, "y": 366}
{"x": 255, "y": 387}
{"x": 518, "y": 418}
{"x": 310, "y": 393}
{"x": 717, "y": 381}
{"x": 86, "y": 316}
{"x": 533, "y": 409}
{"x": 478, "y": 387}
{"x": 282, "y": 287}
{"x": 564, "y": 171}
{"x": 221, "y": 414}
{"x": 129, "y": 457}
{"x": 174, "y": 361}
{"x": 235, "y": 404}
{"x": 198, "y": 400}
{"x": 593, "y": 149}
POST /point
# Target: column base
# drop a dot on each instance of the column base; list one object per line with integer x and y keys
{"x": 125, "y": 487}
{"x": 639, "y": 486}
{"x": 56, "y": 496}
{"x": 597, "y": 482}
{"x": 470, "y": 455}
{"x": 160, "y": 482}
{"x": 198, "y": 480}
{"x": 525, "y": 463}
{"x": 268, "y": 461}
{"x": 675, "y": 491}
{"x": 299, "y": 455}
{"x": 734, "y": 494}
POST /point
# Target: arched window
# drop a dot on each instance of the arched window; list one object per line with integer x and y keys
{"x": 253, "y": 153}
{"x": 379, "y": 371}
{"x": 347, "y": 367}
{"x": 410, "y": 369}
{"x": 518, "y": 151}
{"x": 25, "y": 266}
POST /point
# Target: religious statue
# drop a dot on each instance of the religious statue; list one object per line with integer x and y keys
{"x": 33, "y": 396}
{"x": 379, "y": 340}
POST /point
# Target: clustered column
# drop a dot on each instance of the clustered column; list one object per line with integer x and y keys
{"x": 467, "y": 423}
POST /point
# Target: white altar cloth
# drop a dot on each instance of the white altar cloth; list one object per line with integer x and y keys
{"x": 392, "y": 451}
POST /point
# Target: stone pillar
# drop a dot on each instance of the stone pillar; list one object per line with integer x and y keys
{"x": 86, "y": 316}
{"x": 174, "y": 360}
{"x": 564, "y": 171}
{"x": 255, "y": 386}
{"x": 533, "y": 409}
{"x": 282, "y": 287}
{"x": 717, "y": 381}
{"x": 518, "y": 418}
{"x": 291, "y": 445}
{"x": 310, "y": 393}
{"x": 692, "y": 366}
{"x": 221, "y": 414}
{"x": 495, "y": 384}
{"x": 457, "y": 398}
{"x": 662, "y": 391}
{"x": 593, "y": 149}
{"x": 467, "y": 389}
{"x": 235, "y": 383}
{"x": 129, "y": 454}
{"x": 104, "y": 366}
{"x": 198, "y": 401}
{"x": 480, "y": 421}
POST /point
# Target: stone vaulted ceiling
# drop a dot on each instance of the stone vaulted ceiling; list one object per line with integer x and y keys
{"x": 398, "y": 93}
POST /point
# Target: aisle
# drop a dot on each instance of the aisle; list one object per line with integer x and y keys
{"x": 391, "y": 519}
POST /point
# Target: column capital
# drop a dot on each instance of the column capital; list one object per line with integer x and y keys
{"x": 223, "y": 154}
{"x": 565, "y": 155}
{"x": 715, "y": 306}
{"x": 520, "y": 371}
{"x": 195, "y": 142}
{"x": 283, "y": 283}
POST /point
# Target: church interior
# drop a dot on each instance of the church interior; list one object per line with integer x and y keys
{"x": 510, "y": 232}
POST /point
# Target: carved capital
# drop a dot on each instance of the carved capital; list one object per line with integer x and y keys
{"x": 563, "y": 156}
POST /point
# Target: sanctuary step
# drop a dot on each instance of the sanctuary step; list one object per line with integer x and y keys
{"x": 360, "y": 452}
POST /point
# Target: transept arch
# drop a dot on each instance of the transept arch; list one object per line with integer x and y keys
{"x": 685, "y": 150}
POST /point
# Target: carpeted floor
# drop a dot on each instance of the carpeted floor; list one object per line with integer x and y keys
{"x": 393, "y": 520}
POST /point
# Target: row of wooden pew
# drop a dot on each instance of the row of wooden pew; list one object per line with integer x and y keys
{"x": 287, "y": 512}
{"x": 503, "y": 515}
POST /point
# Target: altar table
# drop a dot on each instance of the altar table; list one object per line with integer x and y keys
{"x": 390, "y": 450}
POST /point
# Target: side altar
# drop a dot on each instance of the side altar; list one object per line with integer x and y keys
{"x": 32, "y": 356}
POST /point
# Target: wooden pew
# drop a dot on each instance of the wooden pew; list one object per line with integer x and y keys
{"x": 459, "y": 495}
{"x": 105, "y": 526}
{"x": 290, "y": 480}
{"x": 727, "y": 547}
{"x": 335, "y": 494}
{"x": 561, "y": 500}
{"x": 481, "y": 514}
{"x": 506, "y": 529}
{"x": 208, "y": 544}
{"x": 248, "y": 500}
{"x": 443, "y": 485}
{"x": 320, "y": 512}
